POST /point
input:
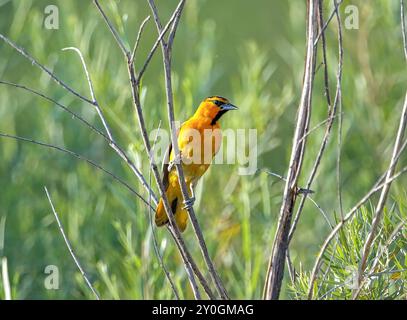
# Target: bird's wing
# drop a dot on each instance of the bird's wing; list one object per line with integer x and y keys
{"x": 166, "y": 161}
{"x": 165, "y": 165}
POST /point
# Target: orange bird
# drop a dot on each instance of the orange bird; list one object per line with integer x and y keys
{"x": 199, "y": 139}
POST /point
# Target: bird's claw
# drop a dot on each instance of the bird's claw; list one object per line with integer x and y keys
{"x": 189, "y": 203}
{"x": 305, "y": 191}
{"x": 175, "y": 161}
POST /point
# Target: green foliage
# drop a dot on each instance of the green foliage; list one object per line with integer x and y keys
{"x": 386, "y": 273}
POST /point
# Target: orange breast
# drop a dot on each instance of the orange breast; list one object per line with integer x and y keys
{"x": 199, "y": 141}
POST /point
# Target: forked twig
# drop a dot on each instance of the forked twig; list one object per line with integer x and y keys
{"x": 115, "y": 34}
{"x": 158, "y": 41}
{"x": 43, "y": 68}
{"x": 327, "y": 23}
{"x": 111, "y": 142}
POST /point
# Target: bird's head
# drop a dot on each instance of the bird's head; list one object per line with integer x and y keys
{"x": 214, "y": 108}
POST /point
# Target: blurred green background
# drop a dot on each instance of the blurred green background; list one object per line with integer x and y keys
{"x": 249, "y": 51}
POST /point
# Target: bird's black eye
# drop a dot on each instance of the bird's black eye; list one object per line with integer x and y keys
{"x": 218, "y": 102}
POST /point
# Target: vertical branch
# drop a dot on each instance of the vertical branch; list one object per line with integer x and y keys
{"x": 189, "y": 263}
{"x": 332, "y": 108}
{"x": 143, "y": 129}
{"x": 340, "y": 121}
{"x": 324, "y": 59}
{"x": 115, "y": 34}
{"x": 275, "y": 269}
{"x": 338, "y": 160}
{"x": 166, "y": 52}
{"x": 68, "y": 244}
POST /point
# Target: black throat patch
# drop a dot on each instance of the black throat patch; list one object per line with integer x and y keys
{"x": 218, "y": 115}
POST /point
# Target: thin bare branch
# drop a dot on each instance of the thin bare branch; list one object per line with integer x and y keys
{"x": 320, "y": 210}
{"x": 327, "y": 23}
{"x": 111, "y": 140}
{"x": 157, "y": 20}
{"x": 140, "y": 31}
{"x": 303, "y": 192}
{"x": 61, "y": 229}
{"x": 43, "y": 68}
{"x": 291, "y": 269}
{"x": 80, "y": 157}
{"x": 324, "y": 59}
{"x": 189, "y": 263}
{"x": 177, "y": 235}
{"x": 319, "y": 125}
{"x": 116, "y": 35}
{"x": 63, "y": 107}
{"x": 174, "y": 29}
{"x": 92, "y": 92}
{"x": 193, "y": 265}
{"x": 275, "y": 270}
{"x": 119, "y": 151}
{"x": 158, "y": 41}
{"x": 166, "y": 49}
{"x": 339, "y": 140}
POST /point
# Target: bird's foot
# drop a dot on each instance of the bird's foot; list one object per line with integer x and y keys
{"x": 175, "y": 161}
{"x": 189, "y": 203}
{"x": 305, "y": 191}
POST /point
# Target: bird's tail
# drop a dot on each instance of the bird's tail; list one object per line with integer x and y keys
{"x": 180, "y": 214}
{"x": 160, "y": 214}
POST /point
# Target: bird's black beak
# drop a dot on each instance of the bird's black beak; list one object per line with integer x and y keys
{"x": 228, "y": 106}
